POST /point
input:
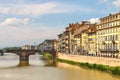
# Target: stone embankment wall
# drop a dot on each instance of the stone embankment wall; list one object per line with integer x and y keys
{"x": 90, "y": 59}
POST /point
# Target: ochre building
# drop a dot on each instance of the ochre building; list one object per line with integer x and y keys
{"x": 108, "y": 36}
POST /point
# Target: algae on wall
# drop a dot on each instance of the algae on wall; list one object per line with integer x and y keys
{"x": 105, "y": 68}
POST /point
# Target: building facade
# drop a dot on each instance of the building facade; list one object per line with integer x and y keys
{"x": 71, "y": 40}
{"x": 108, "y": 36}
{"x": 48, "y": 45}
{"x": 66, "y": 39}
{"x": 85, "y": 37}
{"x": 29, "y": 47}
{"x": 61, "y": 43}
{"x": 75, "y": 39}
{"x": 100, "y": 39}
{"x": 92, "y": 48}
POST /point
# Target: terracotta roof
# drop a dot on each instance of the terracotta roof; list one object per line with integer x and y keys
{"x": 81, "y": 29}
{"x": 85, "y": 28}
{"x": 92, "y": 28}
{"x": 73, "y": 26}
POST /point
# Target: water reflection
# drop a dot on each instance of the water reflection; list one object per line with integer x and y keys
{"x": 37, "y": 60}
{"x": 85, "y": 74}
{"x": 38, "y": 70}
{"x": 10, "y": 60}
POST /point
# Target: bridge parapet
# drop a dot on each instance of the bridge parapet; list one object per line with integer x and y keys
{"x": 22, "y": 52}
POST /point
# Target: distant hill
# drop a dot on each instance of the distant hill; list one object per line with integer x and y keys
{"x": 12, "y": 48}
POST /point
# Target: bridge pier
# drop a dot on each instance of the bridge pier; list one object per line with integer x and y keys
{"x": 23, "y": 60}
{"x": 1, "y": 54}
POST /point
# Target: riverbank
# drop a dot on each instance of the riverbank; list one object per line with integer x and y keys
{"x": 91, "y": 59}
{"x": 104, "y": 68}
{"x": 72, "y": 59}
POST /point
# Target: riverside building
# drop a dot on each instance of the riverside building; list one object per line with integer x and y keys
{"x": 85, "y": 38}
{"x": 63, "y": 42}
{"x": 108, "y": 36}
{"x": 66, "y": 40}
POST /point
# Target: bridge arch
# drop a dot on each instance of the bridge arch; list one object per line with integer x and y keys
{"x": 23, "y": 55}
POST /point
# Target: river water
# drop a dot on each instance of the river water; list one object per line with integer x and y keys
{"x": 37, "y": 70}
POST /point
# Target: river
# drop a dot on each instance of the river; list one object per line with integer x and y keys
{"x": 37, "y": 70}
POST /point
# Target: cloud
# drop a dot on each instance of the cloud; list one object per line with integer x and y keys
{"x": 42, "y": 9}
{"x": 25, "y": 34}
{"x": 116, "y": 3}
{"x": 26, "y": 30}
{"x": 14, "y": 22}
{"x": 94, "y": 20}
{"x": 32, "y": 9}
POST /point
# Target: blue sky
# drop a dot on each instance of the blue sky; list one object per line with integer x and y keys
{"x": 32, "y": 21}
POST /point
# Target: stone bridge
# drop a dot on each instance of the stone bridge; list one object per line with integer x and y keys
{"x": 24, "y": 55}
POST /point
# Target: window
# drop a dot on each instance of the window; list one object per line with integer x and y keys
{"x": 110, "y": 37}
{"x": 116, "y": 23}
{"x": 105, "y": 38}
{"x": 116, "y": 16}
{"x": 113, "y": 30}
{"x": 116, "y": 38}
{"x": 90, "y": 39}
{"x": 97, "y": 27}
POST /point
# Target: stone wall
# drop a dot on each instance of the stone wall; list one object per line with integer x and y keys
{"x": 90, "y": 59}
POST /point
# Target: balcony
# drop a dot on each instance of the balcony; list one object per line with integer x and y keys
{"x": 109, "y": 50}
{"x": 110, "y": 41}
{"x": 103, "y": 42}
{"x": 113, "y": 41}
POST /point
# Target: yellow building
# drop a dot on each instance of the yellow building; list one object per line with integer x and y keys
{"x": 77, "y": 43}
{"x": 71, "y": 40}
{"x": 66, "y": 33}
{"x": 84, "y": 43}
{"x": 92, "y": 48}
{"x": 78, "y": 36}
{"x": 85, "y": 36}
{"x": 108, "y": 36}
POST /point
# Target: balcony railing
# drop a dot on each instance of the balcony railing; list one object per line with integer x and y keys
{"x": 113, "y": 41}
{"x": 109, "y": 50}
{"x": 103, "y": 42}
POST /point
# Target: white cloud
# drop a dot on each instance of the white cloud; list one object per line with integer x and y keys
{"x": 14, "y": 22}
{"x": 94, "y": 20}
{"x": 116, "y": 3}
{"x": 32, "y": 9}
{"x": 25, "y": 34}
{"x": 41, "y": 9}
{"x": 26, "y": 30}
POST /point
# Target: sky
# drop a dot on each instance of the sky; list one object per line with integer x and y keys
{"x": 32, "y": 21}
